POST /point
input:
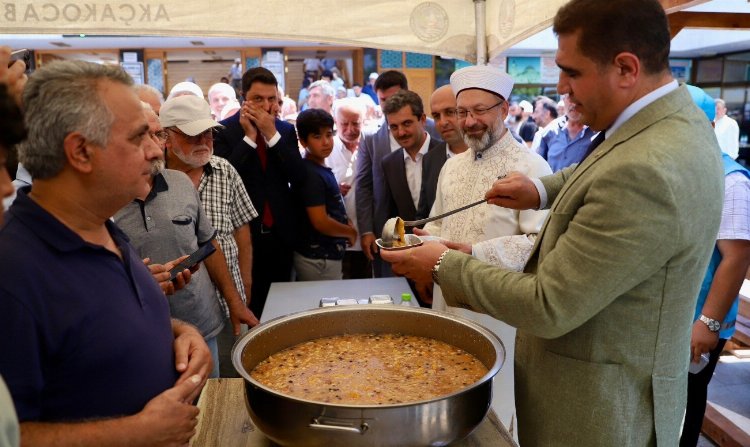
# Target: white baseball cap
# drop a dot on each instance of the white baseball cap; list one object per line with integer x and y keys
{"x": 189, "y": 113}
{"x": 185, "y": 87}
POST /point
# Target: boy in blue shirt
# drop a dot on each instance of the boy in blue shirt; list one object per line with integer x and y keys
{"x": 327, "y": 230}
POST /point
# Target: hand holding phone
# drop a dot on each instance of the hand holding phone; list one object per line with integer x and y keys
{"x": 197, "y": 256}
{"x": 19, "y": 55}
{"x": 13, "y": 76}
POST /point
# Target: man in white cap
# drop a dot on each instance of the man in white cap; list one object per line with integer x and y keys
{"x": 185, "y": 88}
{"x": 189, "y": 148}
{"x": 500, "y": 236}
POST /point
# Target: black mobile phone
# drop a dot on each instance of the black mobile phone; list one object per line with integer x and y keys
{"x": 22, "y": 54}
{"x": 197, "y": 256}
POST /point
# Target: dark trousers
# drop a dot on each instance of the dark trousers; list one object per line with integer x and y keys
{"x": 226, "y": 340}
{"x": 696, "y": 398}
{"x": 272, "y": 262}
{"x": 381, "y": 269}
{"x": 356, "y": 265}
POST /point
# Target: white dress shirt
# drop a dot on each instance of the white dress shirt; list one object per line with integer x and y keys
{"x": 414, "y": 170}
{"x": 343, "y": 163}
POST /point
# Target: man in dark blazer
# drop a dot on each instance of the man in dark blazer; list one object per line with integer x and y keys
{"x": 372, "y": 204}
{"x": 264, "y": 151}
{"x": 443, "y": 111}
{"x": 403, "y": 168}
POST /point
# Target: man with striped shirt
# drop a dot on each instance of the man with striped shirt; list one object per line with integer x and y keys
{"x": 189, "y": 148}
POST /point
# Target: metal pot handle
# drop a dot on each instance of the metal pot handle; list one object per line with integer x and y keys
{"x": 324, "y": 423}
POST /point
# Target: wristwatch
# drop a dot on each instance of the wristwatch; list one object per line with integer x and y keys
{"x": 713, "y": 325}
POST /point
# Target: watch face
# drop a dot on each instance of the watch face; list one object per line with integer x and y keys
{"x": 713, "y": 325}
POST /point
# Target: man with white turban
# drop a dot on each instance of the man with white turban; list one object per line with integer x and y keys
{"x": 500, "y": 236}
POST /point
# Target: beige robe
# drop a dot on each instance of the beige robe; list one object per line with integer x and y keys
{"x": 500, "y": 236}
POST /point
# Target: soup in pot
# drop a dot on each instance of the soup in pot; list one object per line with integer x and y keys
{"x": 369, "y": 369}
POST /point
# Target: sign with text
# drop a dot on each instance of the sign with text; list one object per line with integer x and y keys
{"x": 446, "y": 27}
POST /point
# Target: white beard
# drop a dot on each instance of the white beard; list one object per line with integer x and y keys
{"x": 487, "y": 140}
{"x": 192, "y": 160}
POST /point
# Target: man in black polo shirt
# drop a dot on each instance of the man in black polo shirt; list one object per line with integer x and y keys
{"x": 264, "y": 151}
{"x": 89, "y": 353}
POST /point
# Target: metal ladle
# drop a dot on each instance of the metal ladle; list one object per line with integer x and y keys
{"x": 389, "y": 234}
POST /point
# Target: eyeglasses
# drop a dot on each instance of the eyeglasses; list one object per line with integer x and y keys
{"x": 208, "y": 133}
{"x": 475, "y": 112}
{"x": 159, "y": 135}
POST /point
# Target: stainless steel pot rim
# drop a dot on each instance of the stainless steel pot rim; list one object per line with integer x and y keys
{"x": 271, "y": 324}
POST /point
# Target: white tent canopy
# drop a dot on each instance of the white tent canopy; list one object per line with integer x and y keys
{"x": 447, "y": 28}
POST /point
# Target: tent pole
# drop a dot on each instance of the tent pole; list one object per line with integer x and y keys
{"x": 480, "y": 13}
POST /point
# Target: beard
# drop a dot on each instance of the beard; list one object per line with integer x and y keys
{"x": 157, "y": 166}
{"x": 487, "y": 140}
{"x": 192, "y": 159}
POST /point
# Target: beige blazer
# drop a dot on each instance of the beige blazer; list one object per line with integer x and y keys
{"x": 605, "y": 304}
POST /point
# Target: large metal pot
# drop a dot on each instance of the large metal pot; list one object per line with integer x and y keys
{"x": 292, "y": 421}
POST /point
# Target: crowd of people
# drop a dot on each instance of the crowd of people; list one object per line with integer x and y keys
{"x": 324, "y": 87}
{"x": 604, "y": 212}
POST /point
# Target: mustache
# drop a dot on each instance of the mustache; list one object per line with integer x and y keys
{"x": 157, "y": 166}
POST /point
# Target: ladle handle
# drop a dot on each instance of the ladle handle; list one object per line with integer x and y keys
{"x": 416, "y": 223}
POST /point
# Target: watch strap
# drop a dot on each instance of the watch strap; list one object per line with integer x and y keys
{"x": 436, "y": 267}
{"x": 713, "y": 325}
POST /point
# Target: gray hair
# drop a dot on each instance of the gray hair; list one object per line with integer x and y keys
{"x": 149, "y": 89}
{"x": 351, "y": 104}
{"x": 325, "y": 87}
{"x": 719, "y": 101}
{"x": 60, "y": 98}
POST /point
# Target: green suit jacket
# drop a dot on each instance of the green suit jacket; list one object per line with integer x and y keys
{"x": 605, "y": 304}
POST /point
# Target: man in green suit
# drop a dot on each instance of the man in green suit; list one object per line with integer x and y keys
{"x": 604, "y": 306}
